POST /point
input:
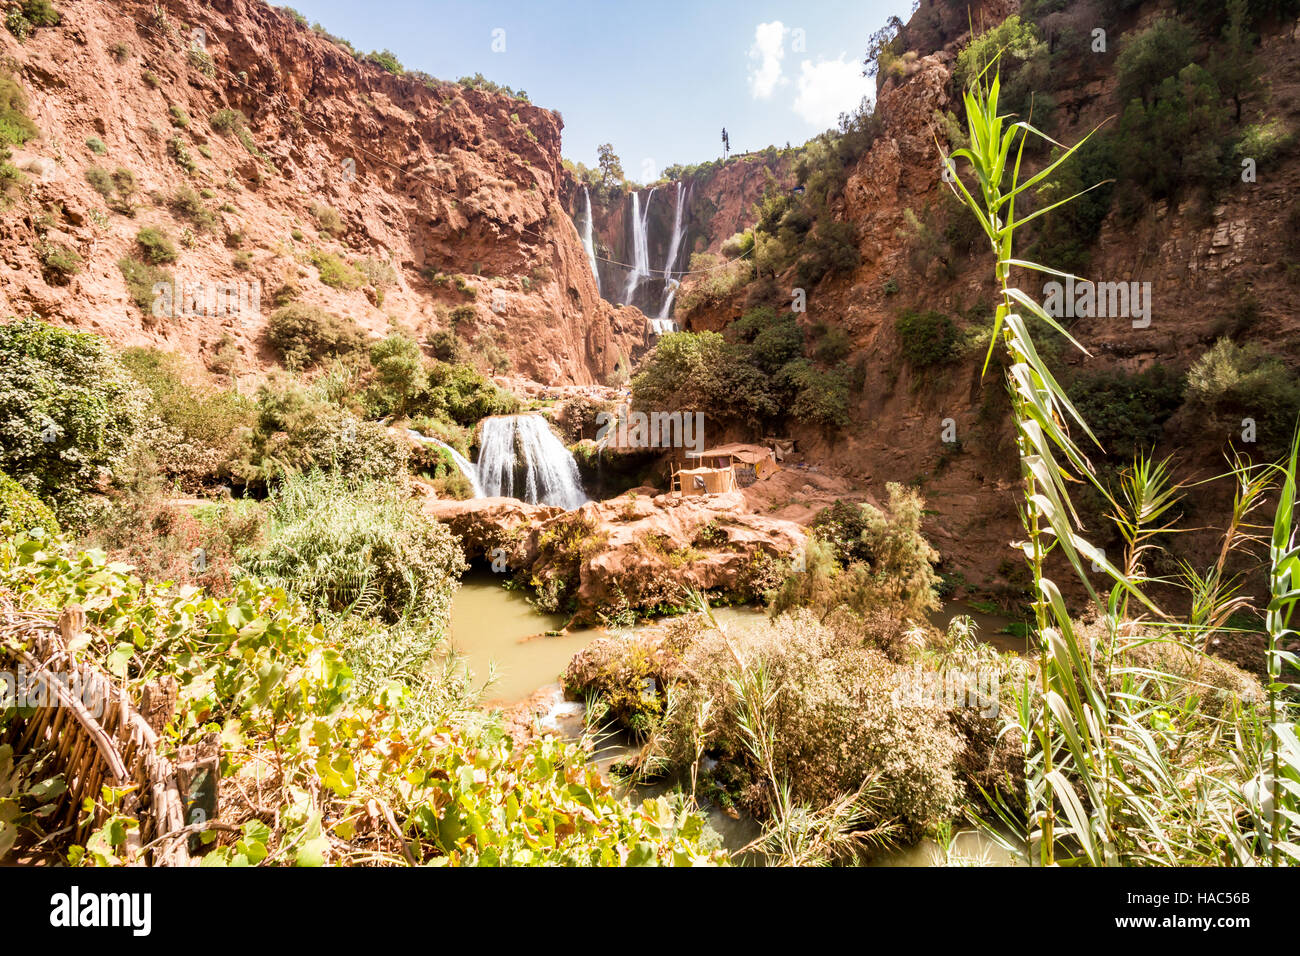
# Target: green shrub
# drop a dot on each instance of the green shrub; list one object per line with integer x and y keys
{"x": 1174, "y": 130}
{"x": 155, "y": 245}
{"x": 117, "y": 187}
{"x": 300, "y": 428}
{"x": 27, "y": 15}
{"x": 334, "y": 272}
{"x": 179, "y": 118}
{"x": 226, "y": 121}
{"x": 386, "y": 60}
{"x": 1178, "y": 140}
{"x": 836, "y": 723}
{"x": 16, "y": 127}
{"x": 327, "y": 219}
{"x": 832, "y": 345}
{"x": 716, "y": 280}
{"x": 821, "y": 396}
{"x": 843, "y": 526}
{"x": 832, "y": 249}
{"x": 140, "y": 280}
{"x": 124, "y": 182}
{"x": 690, "y": 372}
{"x": 100, "y": 180}
{"x": 376, "y": 272}
{"x": 204, "y": 425}
{"x": 1233, "y": 382}
{"x": 96, "y": 146}
{"x": 1150, "y": 56}
{"x": 151, "y": 79}
{"x": 68, "y": 411}
{"x": 20, "y": 510}
{"x": 460, "y": 394}
{"x": 201, "y": 60}
{"x": 41, "y": 13}
{"x": 59, "y": 262}
{"x": 306, "y": 334}
{"x": 629, "y": 675}
{"x": 1264, "y": 140}
{"x": 120, "y": 52}
{"x": 189, "y": 205}
{"x": 773, "y": 339}
{"x": 360, "y": 547}
{"x": 1127, "y": 412}
{"x": 890, "y": 564}
{"x": 446, "y": 346}
{"x": 181, "y": 156}
{"x": 928, "y": 338}
{"x": 399, "y": 376}
{"x": 1024, "y": 66}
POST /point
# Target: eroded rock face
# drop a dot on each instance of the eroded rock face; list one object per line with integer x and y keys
{"x": 427, "y": 177}
{"x": 632, "y": 551}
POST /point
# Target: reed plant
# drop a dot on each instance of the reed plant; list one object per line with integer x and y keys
{"x": 1130, "y": 757}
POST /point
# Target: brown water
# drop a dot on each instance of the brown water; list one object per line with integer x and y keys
{"x": 990, "y": 628}
{"x": 495, "y": 628}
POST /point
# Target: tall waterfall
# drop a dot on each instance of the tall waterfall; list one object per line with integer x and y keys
{"x": 460, "y": 460}
{"x": 587, "y": 242}
{"x": 662, "y": 323}
{"x": 640, "y": 247}
{"x": 520, "y": 457}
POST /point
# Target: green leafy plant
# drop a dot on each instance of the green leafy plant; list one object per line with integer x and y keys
{"x": 306, "y": 334}
{"x": 141, "y": 278}
{"x": 68, "y": 412}
{"x": 155, "y": 245}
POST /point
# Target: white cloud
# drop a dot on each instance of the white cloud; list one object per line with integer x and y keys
{"x": 765, "y": 59}
{"x": 828, "y": 88}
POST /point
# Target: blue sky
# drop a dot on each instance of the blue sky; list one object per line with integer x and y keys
{"x": 657, "y": 80}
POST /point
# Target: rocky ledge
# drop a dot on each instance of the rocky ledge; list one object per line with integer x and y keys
{"x": 637, "y": 552}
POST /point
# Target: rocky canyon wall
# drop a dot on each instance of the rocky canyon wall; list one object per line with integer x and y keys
{"x": 449, "y": 196}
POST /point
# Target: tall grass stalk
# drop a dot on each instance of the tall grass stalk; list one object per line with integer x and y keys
{"x": 1122, "y": 764}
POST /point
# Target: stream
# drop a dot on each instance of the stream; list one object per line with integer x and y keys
{"x": 497, "y": 632}
{"x": 491, "y": 626}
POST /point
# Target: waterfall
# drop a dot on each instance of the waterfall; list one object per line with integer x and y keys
{"x": 640, "y": 247}
{"x": 520, "y": 457}
{"x": 461, "y": 461}
{"x": 670, "y": 284}
{"x": 662, "y": 324}
{"x": 587, "y": 242}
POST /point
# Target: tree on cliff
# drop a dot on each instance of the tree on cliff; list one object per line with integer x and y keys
{"x": 611, "y": 168}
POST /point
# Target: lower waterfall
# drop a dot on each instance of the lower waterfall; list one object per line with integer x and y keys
{"x": 520, "y": 457}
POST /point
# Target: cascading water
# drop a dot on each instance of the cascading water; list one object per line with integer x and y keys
{"x": 662, "y": 323}
{"x": 587, "y": 242}
{"x": 520, "y": 457}
{"x": 640, "y": 246}
{"x": 461, "y": 461}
